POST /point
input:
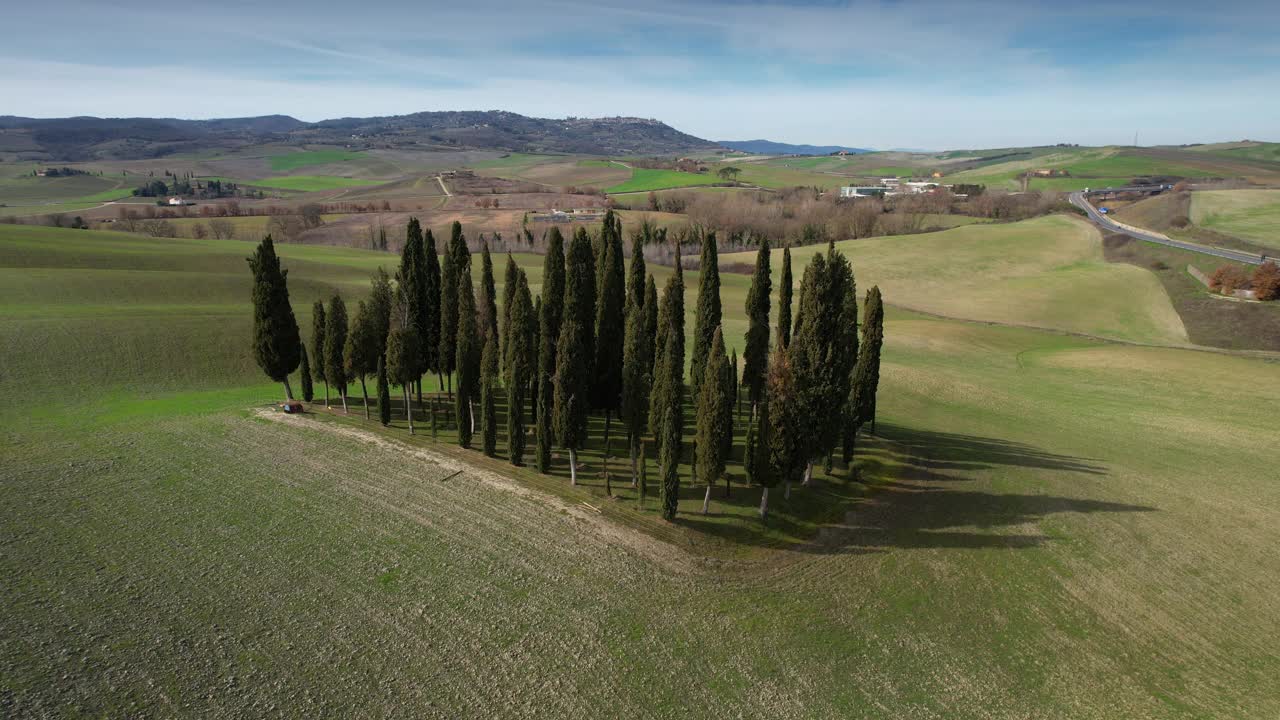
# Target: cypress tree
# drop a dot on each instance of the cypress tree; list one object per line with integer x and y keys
{"x": 509, "y": 282}
{"x": 317, "y": 345}
{"x": 784, "y": 299}
{"x": 360, "y": 355}
{"x": 572, "y": 383}
{"x": 733, "y": 376}
{"x": 304, "y": 371}
{"x": 580, "y": 296}
{"x": 403, "y": 353}
{"x": 713, "y": 414}
{"x": 642, "y": 488}
{"x": 635, "y": 381}
{"x": 650, "y": 322}
{"x": 755, "y": 357}
{"x": 467, "y": 353}
{"x": 670, "y": 428}
{"x": 429, "y": 332}
{"x": 488, "y": 296}
{"x": 670, "y": 327}
{"x": 707, "y": 319}
{"x": 606, "y": 371}
{"x": 384, "y": 393}
{"x": 520, "y": 366}
{"x": 762, "y": 470}
{"x": 786, "y": 449}
{"x": 381, "y": 297}
{"x": 449, "y": 275}
{"x": 867, "y": 381}
{"x": 488, "y": 392}
{"x": 335, "y": 341}
{"x": 636, "y": 273}
{"x": 409, "y": 277}
{"x": 550, "y": 318}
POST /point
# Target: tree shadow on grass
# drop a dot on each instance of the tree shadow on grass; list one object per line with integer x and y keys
{"x": 934, "y": 450}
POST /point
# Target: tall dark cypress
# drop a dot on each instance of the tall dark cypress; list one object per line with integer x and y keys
{"x": 761, "y": 469}
{"x": 381, "y": 298}
{"x": 783, "y": 434}
{"x": 488, "y": 395}
{"x": 467, "y": 352}
{"x": 580, "y": 301}
{"x": 670, "y": 333}
{"x": 784, "y": 299}
{"x": 636, "y": 381}
{"x": 707, "y": 319}
{"x": 670, "y": 426}
{"x": 304, "y": 371}
{"x": 449, "y": 275}
{"x": 520, "y": 366}
{"x": 573, "y": 370}
{"x": 384, "y": 393}
{"x": 755, "y": 357}
{"x": 317, "y": 346}
{"x": 869, "y": 371}
{"x": 360, "y": 354}
{"x": 636, "y": 272}
{"x": 335, "y": 341}
{"x": 550, "y": 316}
{"x": 650, "y": 322}
{"x": 488, "y": 296}
{"x": 714, "y": 419}
{"x": 409, "y": 277}
{"x": 509, "y": 281}
{"x": 402, "y": 353}
{"x": 277, "y": 346}
{"x": 606, "y": 371}
{"x": 429, "y": 333}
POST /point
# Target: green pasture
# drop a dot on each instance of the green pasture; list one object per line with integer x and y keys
{"x": 1248, "y": 214}
{"x": 643, "y": 179}
{"x": 1045, "y": 525}
{"x": 306, "y": 158}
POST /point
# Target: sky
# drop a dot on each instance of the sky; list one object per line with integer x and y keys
{"x": 886, "y": 74}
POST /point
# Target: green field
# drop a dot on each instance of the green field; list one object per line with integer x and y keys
{"x": 1249, "y": 214}
{"x": 643, "y": 179}
{"x": 1048, "y": 526}
{"x": 309, "y": 183}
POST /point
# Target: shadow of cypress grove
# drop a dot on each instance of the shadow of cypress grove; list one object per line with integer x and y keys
{"x": 908, "y": 500}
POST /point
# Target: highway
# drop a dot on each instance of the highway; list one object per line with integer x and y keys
{"x": 1079, "y": 200}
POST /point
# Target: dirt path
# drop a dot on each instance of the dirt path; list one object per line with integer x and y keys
{"x": 440, "y": 179}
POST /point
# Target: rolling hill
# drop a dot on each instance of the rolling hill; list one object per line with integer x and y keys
{"x": 769, "y": 147}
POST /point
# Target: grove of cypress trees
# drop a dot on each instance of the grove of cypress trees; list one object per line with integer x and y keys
{"x": 467, "y": 353}
{"x": 335, "y": 341}
{"x": 488, "y": 392}
{"x": 572, "y": 384}
{"x": 317, "y": 345}
{"x": 520, "y": 366}
{"x": 429, "y": 332}
{"x": 707, "y": 318}
{"x": 714, "y": 410}
{"x": 784, "y": 299}
{"x": 606, "y": 370}
{"x": 755, "y": 357}
{"x": 635, "y": 381}
{"x": 304, "y": 371}
{"x": 276, "y": 343}
{"x": 384, "y": 392}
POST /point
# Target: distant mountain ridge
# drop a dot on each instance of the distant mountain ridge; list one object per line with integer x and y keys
{"x": 89, "y": 138}
{"x": 769, "y": 147}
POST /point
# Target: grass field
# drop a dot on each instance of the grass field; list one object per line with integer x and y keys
{"x": 307, "y": 158}
{"x": 643, "y": 179}
{"x": 1048, "y": 526}
{"x": 1249, "y": 214}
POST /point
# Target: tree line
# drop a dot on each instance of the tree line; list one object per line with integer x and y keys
{"x": 598, "y": 340}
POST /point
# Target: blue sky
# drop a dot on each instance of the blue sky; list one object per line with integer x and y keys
{"x": 872, "y": 74}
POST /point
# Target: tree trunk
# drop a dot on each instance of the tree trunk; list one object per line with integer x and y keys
{"x": 433, "y": 417}
{"x": 450, "y": 387}
{"x": 764, "y": 502}
{"x": 728, "y": 487}
{"x": 408, "y": 411}
{"x": 573, "y": 467}
{"x": 419, "y": 389}
{"x": 288, "y": 389}
{"x": 326, "y": 392}
{"x": 471, "y": 415}
{"x": 706, "y": 500}
{"x": 607, "y": 414}
{"x": 873, "y": 426}
{"x": 365, "y": 393}
{"x": 786, "y": 489}
{"x": 808, "y": 473}
{"x": 344, "y": 402}
{"x": 635, "y": 461}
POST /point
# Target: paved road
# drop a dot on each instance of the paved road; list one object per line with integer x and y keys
{"x": 1078, "y": 199}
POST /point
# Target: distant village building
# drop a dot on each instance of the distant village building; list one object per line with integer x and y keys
{"x": 863, "y": 191}
{"x": 175, "y": 201}
{"x": 890, "y": 182}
